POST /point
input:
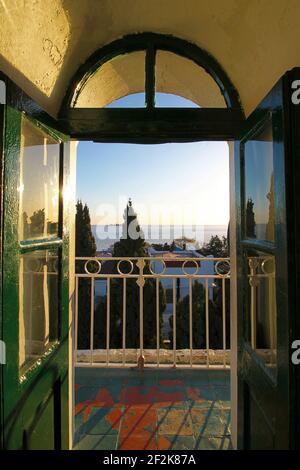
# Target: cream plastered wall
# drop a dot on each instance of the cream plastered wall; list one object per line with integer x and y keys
{"x": 42, "y": 42}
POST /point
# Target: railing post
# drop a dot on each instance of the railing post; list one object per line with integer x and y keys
{"x": 76, "y": 321}
{"x": 124, "y": 321}
{"x": 253, "y": 281}
{"x": 224, "y": 319}
{"x": 191, "y": 319}
{"x": 157, "y": 323}
{"x": 141, "y": 282}
{"x": 174, "y": 322}
{"x": 207, "y": 321}
{"x": 92, "y": 318}
{"x": 107, "y": 320}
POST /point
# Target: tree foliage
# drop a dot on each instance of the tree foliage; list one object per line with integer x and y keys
{"x": 85, "y": 241}
{"x": 85, "y": 246}
{"x": 217, "y": 247}
{"x": 198, "y": 321}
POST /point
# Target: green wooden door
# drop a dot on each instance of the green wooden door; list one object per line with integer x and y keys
{"x": 266, "y": 163}
{"x": 35, "y": 278}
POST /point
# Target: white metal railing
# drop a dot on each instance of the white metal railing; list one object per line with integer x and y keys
{"x": 205, "y": 270}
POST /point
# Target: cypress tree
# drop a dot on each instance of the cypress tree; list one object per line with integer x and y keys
{"x": 85, "y": 246}
{"x": 132, "y": 244}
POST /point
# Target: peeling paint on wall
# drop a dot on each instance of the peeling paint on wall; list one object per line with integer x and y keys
{"x": 53, "y": 51}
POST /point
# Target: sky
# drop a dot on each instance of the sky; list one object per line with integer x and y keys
{"x": 180, "y": 183}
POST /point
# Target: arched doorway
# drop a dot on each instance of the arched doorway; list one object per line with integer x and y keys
{"x": 81, "y": 118}
{"x": 153, "y": 64}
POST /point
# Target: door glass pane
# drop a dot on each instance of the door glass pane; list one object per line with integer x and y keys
{"x": 259, "y": 186}
{"x": 169, "y": 100}
{"x": 124, "y": 75}
{"x": 178, "y": 76}
{"x": 134, "y": 100}
{"x": 38, "y": 304}
{"x": 262, "y": 309}
{"x": 39, "y": 183}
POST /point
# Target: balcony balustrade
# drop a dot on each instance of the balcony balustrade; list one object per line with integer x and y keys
{"x": 186, "y": 298}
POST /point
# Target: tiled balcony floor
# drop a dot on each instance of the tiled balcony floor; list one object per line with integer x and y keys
{"x": 180, "y": 409}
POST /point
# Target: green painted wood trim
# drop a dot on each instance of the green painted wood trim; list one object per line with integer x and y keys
{"x": 19, "y": 100}
{"x": 157, "y": 125}
{"x": 10, "y": 273}
{"x": 150, "y": 77}
{"x": 259, "y": 245}
{"x": 43, "y": 244}
{"x": 2, "y": 131}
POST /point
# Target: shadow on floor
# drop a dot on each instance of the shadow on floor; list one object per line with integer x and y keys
{"x": 160, "y": 409}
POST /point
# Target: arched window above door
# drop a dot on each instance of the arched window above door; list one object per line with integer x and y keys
{"x": 143, "y": 76}
{"x": 150, "y": 64}
{"x": 126, "y": 75}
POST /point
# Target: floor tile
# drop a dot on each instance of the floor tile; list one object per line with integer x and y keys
{"x": 213, "y": 423}
{"x": 178, "y": 409}
{"x": 138, "y": 427}
{"x": 84, "y": 393}
{"x": 176, "y": 442}
{"x": 174, "y": 422}
{"x": 103, "y": 421}
{"x": 137, "y": 441}
{"x": 200, "y": 393}
{"x": 97, "y": 442}
{"x": 213, "y": 443}
{"x": 222, "y": 393}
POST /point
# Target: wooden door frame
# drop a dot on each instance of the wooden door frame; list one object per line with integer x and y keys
{"x": 2, "y": 106}
{"x": 165, "y": 125}
{"x": 152, "y": 125}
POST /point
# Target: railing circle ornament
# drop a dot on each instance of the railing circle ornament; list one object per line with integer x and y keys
{"x": 124, "y": 261}
{"x": 196, "y": 264}
{"x": 163, "y": 265}
{"x": 219, "y": 268}
{"x": 268, "y": 266}
{"x": 95, "y": 262}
